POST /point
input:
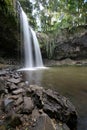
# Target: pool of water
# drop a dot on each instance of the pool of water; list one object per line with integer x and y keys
{"x": 68, "y": 81}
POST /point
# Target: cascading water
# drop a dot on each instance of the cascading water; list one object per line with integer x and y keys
{"x": 26, "y": 39}
{"x": 38, "y": 58}
{"x": 33, "y": 58}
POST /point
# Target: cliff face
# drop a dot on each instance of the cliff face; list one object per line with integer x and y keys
{"x": 8, "y": 35}
{"x": 65, "y": 44}
{"x": 75, "y": 48}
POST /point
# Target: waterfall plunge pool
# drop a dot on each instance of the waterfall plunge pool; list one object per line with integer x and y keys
{"x": 68, "y": 81}
{"x": 33, "y": 68}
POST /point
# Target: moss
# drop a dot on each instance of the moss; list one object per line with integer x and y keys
{"x": 9, "y": 39}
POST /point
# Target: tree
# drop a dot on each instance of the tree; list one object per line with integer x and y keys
{"x": 73, "y": 12}
{"x": 28, "y": 8}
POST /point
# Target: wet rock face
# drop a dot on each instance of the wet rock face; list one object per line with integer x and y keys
{"x": 56, "y": 106}
{"x": 75, "y": 48}
{"x": 13, "y": 120}
{"x": 7, "y": 104}
{"x": 28, "y": 105}
{"x": 43, "y": 123}
{"x": 2, "y": 85}
{"x": 33, "y": 105}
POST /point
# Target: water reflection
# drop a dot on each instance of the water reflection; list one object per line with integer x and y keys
{"x": 34, "y": 77}
{"x": 68, "y": 81}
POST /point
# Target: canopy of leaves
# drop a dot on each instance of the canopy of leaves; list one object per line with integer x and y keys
{"x": 53, "y": 14}
{"x": 28, "y": 8}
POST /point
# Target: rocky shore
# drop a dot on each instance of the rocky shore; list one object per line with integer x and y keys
{"x": 31, "y": 107}
{"x": 64, "y": 62}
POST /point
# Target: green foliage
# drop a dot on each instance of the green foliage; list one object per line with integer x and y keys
{"x": 9, "y": 36}
{"x": 28, "y": 8}
{"x": 51, "y": 15}
{"x": 60, "y": 13}
{"x": 6, "y": 7}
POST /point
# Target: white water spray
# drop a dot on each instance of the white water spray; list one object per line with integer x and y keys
{"x": 33, "y": 58}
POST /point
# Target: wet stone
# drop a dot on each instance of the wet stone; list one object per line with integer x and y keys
{"x": 43, "y": 123}
{"x": 28, "y": 105}
{"x": 35, "y": 114}
{"x": 13, "y": 80}
{"x": 14, "y": 97}
{"x": 7, "y": 105}
{"x": 19, "y": 101}
{"x": 61, "y": 126}
{"x": 11, "y": 86}
{"x": 21, "y": 84}
{"x": 13, "y": 120}
{"x": 18, "y": 91}
{"x": 19, "y": 108}
{"x": 2, "y": 86}
{"x": 2, "y": 127}
{"x": 35, "y": 88}
{"x": 3, "y": 73}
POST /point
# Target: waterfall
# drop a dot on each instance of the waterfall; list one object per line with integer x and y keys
{"x": 26, "y": 40}
{"x": 38, "y": 58}
{"x": 33, "y": 58}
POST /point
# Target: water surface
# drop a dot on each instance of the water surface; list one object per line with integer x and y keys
{"x": 68, "y": 81}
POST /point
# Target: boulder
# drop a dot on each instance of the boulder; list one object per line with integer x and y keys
{"x": 59, "y": 107}
{"x": 38, "y": 104}
{"x": 28, "y": 105}
{"x": 19, "y": 101}
{"x": 13, "y": 120}
{"x": 14, "y": 80}
{"x": 2, "y": 127}
{"x": 7, "y": 105}
{"x": 43, "y": 123}
{"x": 18, "y": 91}
{"x": 2, "y": 72}
{"x": 2, "y": 86}
{"x": 56, "y": 106}
{"x": 61, "y": 126}
{"x": 12, "y": 86}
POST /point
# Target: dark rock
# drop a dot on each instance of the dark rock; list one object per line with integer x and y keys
{"x": 16, "y": 76}
{"x": 21, "y": 84}
{"x": 65, "y": 127}
{"x": 14, "y": 97}
{"x": 2, "y": 127}
{"x": 28, "y": 105}
{"x": 59, "y": 107}
{"x": 2, "y": 86}
{"x": 35, "y": 88}
{"x": 13, "y": 120}
{"x": 19, "y": 101}
{"x": 2, "y": 123}
{"x": 35, "y": 114}
{"x": 37, "y": 95}
{"x": 18, "y": 109}
{"x": 74, "y": 49}
{"x": 18, "y": 91}
{"x": 1, "y": 107}
{"x": 34, "y": 99}
{"x": 43, "y": 123}
{"x": 7, "y": 105}
{"x": 41, "y": 111}
{"x": 3, "y": 73}
{"x": 61, "y": 126}
{"x": 13, "y": 86}
{"x": 56, "y": 106}
{"x": 14, "y": 80}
